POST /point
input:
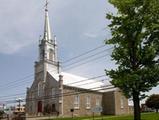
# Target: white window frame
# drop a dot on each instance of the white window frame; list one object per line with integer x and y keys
{"x": 98, "y": 101}
{"x": 76, "y": 102}
{"x": 88, "y": 102}
{"x": 122, "y": 102}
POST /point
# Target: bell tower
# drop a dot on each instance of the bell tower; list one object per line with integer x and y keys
{"x": 48, "y": 60}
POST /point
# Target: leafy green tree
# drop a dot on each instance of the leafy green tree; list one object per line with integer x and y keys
{"x": 153, "y": 102}
{"x": 135, "y": 37}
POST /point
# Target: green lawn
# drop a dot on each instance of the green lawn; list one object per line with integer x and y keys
{"x": 145, "y": 116}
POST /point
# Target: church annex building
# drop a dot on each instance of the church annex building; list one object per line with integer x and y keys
{"x": 61, "y": 93}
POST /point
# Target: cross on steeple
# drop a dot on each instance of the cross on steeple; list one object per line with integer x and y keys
{"x": 47, "y": 29}
{"x": 46, "y": 5}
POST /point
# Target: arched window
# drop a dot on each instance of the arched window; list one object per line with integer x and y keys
{"x": 51, "y": 55}
{"x": 42, "y": 53}
{"x": 53, "y": 92}
{"x": 40, "y": 89}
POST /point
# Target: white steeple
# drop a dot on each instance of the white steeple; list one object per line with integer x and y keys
{"x": 47, "y": 30}
{"x": 48, "y": 47}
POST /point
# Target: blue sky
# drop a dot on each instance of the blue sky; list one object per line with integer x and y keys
{"x": 79, "y": 25}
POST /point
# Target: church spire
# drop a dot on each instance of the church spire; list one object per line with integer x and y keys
{"x": 47, "y": 30}
{"x": 48, "y": 48}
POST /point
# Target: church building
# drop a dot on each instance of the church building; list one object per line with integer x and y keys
{"x": 63, "y": 94}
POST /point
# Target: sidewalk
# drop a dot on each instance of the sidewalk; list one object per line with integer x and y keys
{"x": 40, "y": 118}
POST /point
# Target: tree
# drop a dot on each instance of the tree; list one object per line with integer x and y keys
{"x": 1, "y": 114}
{"x": 153, "y": 102}
{"x": 135, "y": 37}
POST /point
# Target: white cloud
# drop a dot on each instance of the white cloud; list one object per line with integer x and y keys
{"x": 10, "y": 47}
{"x": 22, "y": 22}
{"x": 18, "y": 25}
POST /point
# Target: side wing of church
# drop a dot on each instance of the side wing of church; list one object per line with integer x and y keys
{"x": 59, "y": 93}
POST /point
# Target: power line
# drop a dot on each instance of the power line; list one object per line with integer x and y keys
{"x": 24, "y": 78}
{"x": 15, "y": 82}
{"x": 78, "y": 88}
{"x": 74, "y": 82}
{"x": 82, "y": 63}
{"x": 85, "y": 62}
{"x": 12, "y": 95}
{"x": 67, "y": 69}
{"x": 85, "y": 53}
{"x": 88, "y": 57}
{"x": 82, "y": 91}
{"x": 74, "y": 62}
{"x": 88, "y": 79}
{"x": 73, "y": 93}
{"x": 92, "y": 82}
{"x": 53, "y": 70}
{"x": 14, "y": 85}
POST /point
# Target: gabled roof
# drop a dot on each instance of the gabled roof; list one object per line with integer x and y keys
{"x": 82, "y": 82}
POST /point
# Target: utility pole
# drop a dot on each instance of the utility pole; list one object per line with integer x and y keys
{"x": 19, "y": 100}
{"x": 3, "y": 106}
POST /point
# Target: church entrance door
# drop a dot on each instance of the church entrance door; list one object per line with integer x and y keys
{"x": 39, "y": 106}
{"x": 53, "y": 108}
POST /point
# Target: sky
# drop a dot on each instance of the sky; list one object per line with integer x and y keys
{"x": 79, "y": 25}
